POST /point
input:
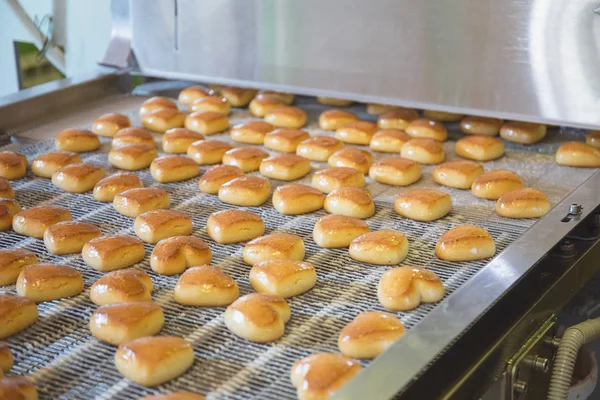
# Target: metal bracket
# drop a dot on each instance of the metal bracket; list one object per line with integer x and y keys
{"x": 119, "y": 48}
{"x": 575, "y": 211}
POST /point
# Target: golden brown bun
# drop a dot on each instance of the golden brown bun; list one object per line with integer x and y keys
{"x": 329, "y": 179}
{"x": 163, "y": 119}
{"x": 173, "y": 168}
{"x": 218, "y": 175}
{"x": 283, "y": 277}
{"x": 576, "y": 154}
{"x": 150, "y": 361}
{"x": 12, "y": 262}
{"x": 76, "y": 140}
{"x": 206, "y": 286}
{"x": 192, "y": 93}
{"x": 350, "y": 201}
{"x": 494, "y": 184}
{"x": 593, "y": 139}
{"x": 369, "y": 334}
{"x": 207, "y": 122}
{"x": 523, "y": 203}
{"x": 272, "y": 247}
{"x": 336, "y": 231}
{"x": 157, "y": 103}
{"x": 286, "y": 117}
{"x": 332, "y": 101}
{"x": 350, "y": 157}
{"x": 109, "y": 253}
{"x": 238, "y": 97}
{"x": 427, "y": 128}
{"x": 233, "y": 226}
{"x": 331, "y": 120}
{"x": 389, "y": 140}
{"x": 211, "y": 103}
{"x": 246, "y": 158}
{"x": 47, "y": 164}
{"x": 258, "y": 317}
{"x": 395, "y": 171}
{"x": 120, "y": 286}
{"x": 442, "y": 116}
{"x": 133, "y": 136}
{"x": 175, "y": 396}
{"x": 480, "y": 148}
{"x": 295, "y": 199}
{"x": 110, "y": 124}
{"x": 156, "y": 225}
{"x": 35, "y": 220}
{"x": 404, "y": 288}
{"x": 465, "y": 243}
{"x": 260, "y": 106}
{"x": 252, "y": 132}
{"x": 423, "y": 204}
{"x": 6, "y": 190}
{"x": 132, "y": 157}
{"x": 16, "y": 314}
{"x": 17, "y": 388}
{"x": 319, "y": 148}
{"x": 285, "y": 98}
{"x": 321, "y": 375}
{"x": 69, "y": 237}
{"x": 384, "y": 247}
{"x": 173, "y": 255}
{"x": 523, "y": 132}
{"x": 77, "y": 178}
{"x": 285, "y": 167}
{"x": 378, "y": 109}
{"x": 8, "y": 209}
{"x": 285, "y": 140}
{"x": 357, "y": 132}
{"x": 457, "y": 174}
{"x": 247, "y": 191}
{"x": 106, "y": 189}
{"x": 206, "y": 152}
{"x": 480, "y": 126}
{"x": 12, "y": 165}
{"x": 47, "y": 282}
{"x": 6, "y": 358}
{"x": 121, "y": 322}
{"x": 424, "y": 151}
{"x": 398, "y": 118}
{"x": 177, "y": 140}
{"x": 134, "y": 202}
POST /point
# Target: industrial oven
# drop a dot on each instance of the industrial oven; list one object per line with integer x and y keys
{"x": 493, "y": 336}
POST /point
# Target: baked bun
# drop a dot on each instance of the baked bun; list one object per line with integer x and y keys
{"x": 424, "y": 151}
{"x": 252, "y": 132}
{"x": 576, "y": 154}
{"x": 47, "y": 282}
{"x": 177, "y": 140}
{"x": 389, "y": 140}
{"x": 76, "y": 140}
{"x": 157, "y": 103}
{"x": 326, "y": 180}
{"x": 150, "y": 361}
{"x": 206, "y": 286}
{"x": 273, "y": 247}
{"x": 258, "y": 317}
{"x": 319, "y": 148}
{"x": 404, "y": 288}
{"x": 134, "y": 202}
{"x": 494, "y": 184}
{"x": 35, "y": 220}
{"x": 110, "y": 124}
{"x": 12, "y": 262}
{"x": 331, "y": 120}
{"x": 260, "y": 106}
{"x": 442, "y": 116}
{"x": 398, "y": 118}
{"x": 121, "y": 322}
{"x": 457, "y": 174}
{"x": 192, "y": 93}
{"x": 121, "y": 286}
{"x": 106, "y": 189}
{"x": 285, "y": 167}
{"x": 207, "y": 152}
{"x": 16, "y": 314}
{"x": 234, "y": 226}
{"x": 47, "y": 164}
{"x": 6, "y": 190}
{"x": 427, "y": 128}
{"x": 286, "y": 117}
{"x": 133, "y": 136}
{"x": 109, "y": 253}
{"x": 480, "y": 148}
{"x": 523, "y": 203}
{"x": 283, "y": 277}
{"x": 295, "y": 199}
{"x": 378, "y": 109}
{"x": 77, "y": 178}
{"x": 351, "y": 202}
{"x": 480, "y": 126}
{"x": 369, "y": 334}
{"x": 332, "y": 101}
{"x": 523, "y": 132}
{"x": 218, "y": 175}
{"x": 8, "y": 209}
{"x": 207, "y": 122}
{"x": 175, "y": 396}
{"x": 337, "y": 231}
{"x": 593, "y": 139}
{"x": 6, "y": 358}
{"x": 285, "y": 140}
{"x": 284, "y": 98}
{"x": 321, "y": 375}
{"x": 238, "y": 97}
{"x": 246, "y": 158}
{"x": 247, "y": 191}
{"x": 173, "y": 255}
{"x": 156, "y": 225}
{"x": 173, "y": 168}
{"x": 384, "y": 247}
{"x": 69, "y": 237}
{"x": 465, "y": 243}
{"x": 423, "y": 204}
{"x": 17, "y": 388}
{"x": 357, "y": 132}
{"x": 12, "y": 165}
{"x": 350, "y": 157}
{"x": 132, "y": 157}
{"x": 164, "y": 119}
{"x": 395, "y": 171}
{"x": 211, "y": 103}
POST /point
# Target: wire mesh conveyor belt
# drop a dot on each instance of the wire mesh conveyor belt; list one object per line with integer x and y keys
{"x": 66, "y": 362}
